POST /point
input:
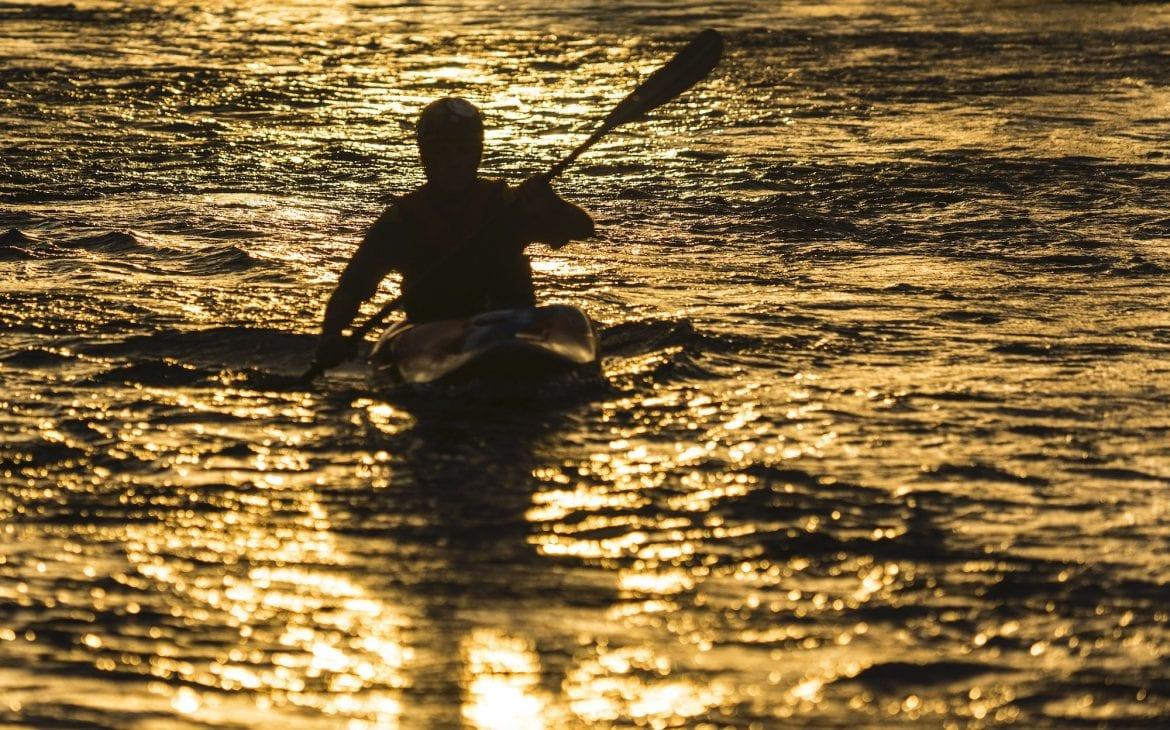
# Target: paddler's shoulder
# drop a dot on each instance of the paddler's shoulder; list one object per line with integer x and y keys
{"x": 387, "y": 227}
{"x": 399, "y": 207}
{"x": 407, "y": 202}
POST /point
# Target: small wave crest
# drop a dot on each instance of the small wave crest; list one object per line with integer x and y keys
{"x": 979, "y": 472}
{"x": 896, "y": 676}
{"x": 643, "y": 336}
{"x": 111, "y": 242}
{"x": 204, "y": 260}
{"x": 151, "y": 372}
{"x": 216, "y": 347}
{"x": 32, "y": 358}
{"x": 667, "y": 350}
{"x": 219, "y": 260}
{"x": 70, "y": 12}
{"x": 16, "y": 245}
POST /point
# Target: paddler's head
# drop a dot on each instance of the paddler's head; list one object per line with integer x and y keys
{"x": 450, "y": 140}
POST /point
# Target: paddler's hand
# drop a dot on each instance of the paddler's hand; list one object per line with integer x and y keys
{"x": 334, "y": 349}
{"x": 548, "y": 217}
{"x": 536, "y": 195}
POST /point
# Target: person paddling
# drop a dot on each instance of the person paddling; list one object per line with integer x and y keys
{"x": 483, "y": 271}
{"x": 458, "y": 240}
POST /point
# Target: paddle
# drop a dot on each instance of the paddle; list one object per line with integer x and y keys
{"x": 687, "y": 68}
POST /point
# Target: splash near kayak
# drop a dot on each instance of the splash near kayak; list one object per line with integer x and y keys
{"x": 593, "y": 364}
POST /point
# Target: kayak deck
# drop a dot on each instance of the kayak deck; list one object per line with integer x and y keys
{"x": 507, "y": 344}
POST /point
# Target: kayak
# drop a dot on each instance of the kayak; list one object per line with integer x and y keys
{"x": 506, "y": 344}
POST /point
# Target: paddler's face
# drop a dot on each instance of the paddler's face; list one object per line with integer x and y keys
{"x": 451, "y": 164}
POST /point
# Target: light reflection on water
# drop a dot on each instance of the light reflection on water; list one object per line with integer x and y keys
{"x": 885, "y": 436}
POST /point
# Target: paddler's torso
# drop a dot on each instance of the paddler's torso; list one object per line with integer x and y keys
{"x": 437, "y": 226}
{"x": 450, "y": 267}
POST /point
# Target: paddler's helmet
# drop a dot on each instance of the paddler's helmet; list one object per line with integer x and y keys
{"x": 449, "y": 121}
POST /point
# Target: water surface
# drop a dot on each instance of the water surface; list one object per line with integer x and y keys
{"x": 885, "y": 435}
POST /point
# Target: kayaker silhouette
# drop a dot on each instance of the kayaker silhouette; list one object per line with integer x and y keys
{"x": 450, "y": 276}
{"x": 457, "y": 241}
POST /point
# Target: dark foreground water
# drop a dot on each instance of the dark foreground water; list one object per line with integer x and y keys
{"x": 886, "y": 439}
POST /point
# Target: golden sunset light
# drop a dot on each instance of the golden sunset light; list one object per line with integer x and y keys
{"x": 599, "y": 364}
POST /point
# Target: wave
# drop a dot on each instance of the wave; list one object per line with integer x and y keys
{"x": 980, "y": 472}
{"x": 110, "y": 242}
{"x": 150, "y": 372}
{"x": 16, "y": 237}
{"x": 203, "y": 261}
{"x": 15, "y": 245}
{"x": 1137, "y": 266}
{"x": 32, "y": 358}
{"x": 216, "y": 347}
{"x": 643, "y": 336}
{"x": 897, "y": 676}
{"x": 661, "y": 351}
{"x": 223, "y": 260}
{"x": 71, "y": 12}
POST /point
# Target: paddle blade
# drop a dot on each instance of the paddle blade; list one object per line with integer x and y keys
{"x": 690, "y": 66}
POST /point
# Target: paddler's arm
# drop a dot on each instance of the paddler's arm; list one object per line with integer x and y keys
{"x": 372, "y": 261}
{"x": 549, "y": 218}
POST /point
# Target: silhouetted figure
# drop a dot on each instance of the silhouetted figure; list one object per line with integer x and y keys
{"x": 458, "y": 240}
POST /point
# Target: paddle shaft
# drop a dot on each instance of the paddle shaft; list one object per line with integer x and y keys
{"x": 688, "y": 67}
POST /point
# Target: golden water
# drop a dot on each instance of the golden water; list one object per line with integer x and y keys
{"x": 885, "y": 440}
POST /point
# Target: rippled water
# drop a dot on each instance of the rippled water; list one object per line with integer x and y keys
{"x": 885, "y": 439}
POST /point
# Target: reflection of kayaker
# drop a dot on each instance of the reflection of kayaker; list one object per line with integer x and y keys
{"x": 458, "y": 240}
